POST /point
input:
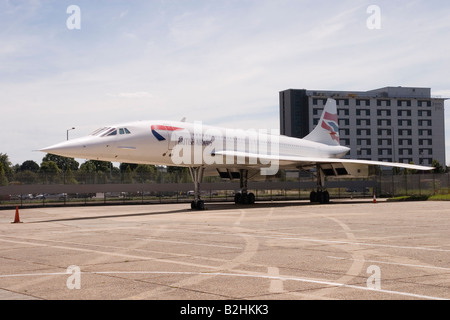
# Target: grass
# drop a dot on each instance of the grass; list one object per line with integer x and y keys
{"x": 440, "y": 197}
{"x": 409, "y": 198}
{"x": 436, "y": 197}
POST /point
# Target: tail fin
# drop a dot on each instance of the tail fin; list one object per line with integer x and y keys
{"x": 327, "y": 130}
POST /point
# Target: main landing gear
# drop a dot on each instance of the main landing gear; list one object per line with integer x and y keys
{"x": 321, "y": 195}
{"x": 244, "y": 197}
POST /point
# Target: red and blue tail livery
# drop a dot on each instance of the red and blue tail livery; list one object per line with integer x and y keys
{"x": 330, "y": 123}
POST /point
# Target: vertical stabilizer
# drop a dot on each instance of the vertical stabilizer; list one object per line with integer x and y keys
{"x": 327, "y": 130}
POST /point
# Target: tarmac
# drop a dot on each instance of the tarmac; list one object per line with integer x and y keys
{"x": 349, "y": 249}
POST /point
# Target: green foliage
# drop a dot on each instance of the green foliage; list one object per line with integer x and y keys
{"x": 3, "y": 179}
{"x": 49, "y": 172}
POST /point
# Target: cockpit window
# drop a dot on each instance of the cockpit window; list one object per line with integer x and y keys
{"x": 124, "y": 131}
{"x": 108, "y": 131}
{"x": 112, "y": 133}
{"x": 99, "y": 131}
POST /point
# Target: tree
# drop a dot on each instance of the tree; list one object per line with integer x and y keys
{"x": 69, "y": 178}
{"x": 438, "y": 167}
{"x": 128, "y": 175}
{"x": 145, "y": 172}
{"x": 49, "y": 171}
{"x": 29, "y": 165}
{"x": 7, "y": 166}
{"x": 3, "y": 179}
{"x": 62, "y": 162}
{"x": 93, "y": 171}
{"x": 27, "y": 177}
{"x": 123, "y": 167}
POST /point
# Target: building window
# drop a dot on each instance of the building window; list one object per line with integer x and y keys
{"x": 342, "y": 102}
{"x": 363, "y": 142}
{"x": 383, "y": 103}
{"x": 384, "y": 132}
{"x": 360, "y": 102}
{"x": 383, "y": 113}
{"x": 425, "y": 132}
{"x": 405, "y": 152}
{"x": 405, "y": 142}
{"x": 424, "y": 103}
{"x": 402, "y": 113}
{"x": 384, "y": 142}
{"x": 363, "y": 122}
{"x": 425, "y": 123}
{"x": 424, "y": 113}
{"x": 404, "y": 132}
{"x": 384, "y": 122}
{"x": 425, "y": 142}
{"x": 317, "y": 111}
{"x": 404, "y": 103}
{"x": 363, "y": 112}
{"x": 404, "y": 122}
{"x": 360, "y": 132}
{"x": 384, "y": 152}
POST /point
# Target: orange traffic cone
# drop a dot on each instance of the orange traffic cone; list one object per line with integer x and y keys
{"x": 17, "y": 218}
{"x": 374, "y": 198}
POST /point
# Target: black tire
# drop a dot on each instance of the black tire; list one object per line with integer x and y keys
{"x": 251, "y": 198}
{"x": 326, "y": 196}
{"x": 200, "y": 205}
{"x": 313, "y": 196}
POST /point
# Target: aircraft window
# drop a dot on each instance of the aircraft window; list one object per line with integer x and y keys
{"x": 124, "y": 131}
{"x": 98, "y": 131}
{"x": 110, "y": 132}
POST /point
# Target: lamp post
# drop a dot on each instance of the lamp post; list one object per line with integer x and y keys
{"x": 67, "y": 132}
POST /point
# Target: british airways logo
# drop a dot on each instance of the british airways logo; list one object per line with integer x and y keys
{"x": 156, "y": 130}
{"x": 330, "y": 123}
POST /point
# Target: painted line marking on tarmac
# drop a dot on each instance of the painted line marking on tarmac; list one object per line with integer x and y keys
{"x": 393, "y": 263}
{"x": 272, "y": 278}
{"x": 189, "y": 243}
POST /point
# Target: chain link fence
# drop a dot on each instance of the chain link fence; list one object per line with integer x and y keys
{"x": 178, "y": 190}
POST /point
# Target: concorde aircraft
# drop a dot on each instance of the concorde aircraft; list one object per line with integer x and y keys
{"x": 231, "y": 153}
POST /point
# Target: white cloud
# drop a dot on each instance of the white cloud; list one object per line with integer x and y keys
{"x": 222, "y": 62}
{"x": 131, "y": 95}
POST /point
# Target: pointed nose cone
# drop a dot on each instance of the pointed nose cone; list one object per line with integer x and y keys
{"x": 72, "y": 149}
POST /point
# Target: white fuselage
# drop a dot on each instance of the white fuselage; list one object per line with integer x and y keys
{"x": 185, "y": 144}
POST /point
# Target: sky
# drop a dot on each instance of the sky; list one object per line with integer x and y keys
{"x": 222, "y": 62}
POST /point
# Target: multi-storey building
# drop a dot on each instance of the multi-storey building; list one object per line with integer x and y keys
{"x": 395, "y": 124}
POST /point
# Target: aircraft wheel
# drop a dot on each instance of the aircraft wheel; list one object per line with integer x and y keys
{"x": 251, "y": 198}
{"x": 201, "y": 205}
{"x": 313, "y": 196}
{"x": 326, "y": 197}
